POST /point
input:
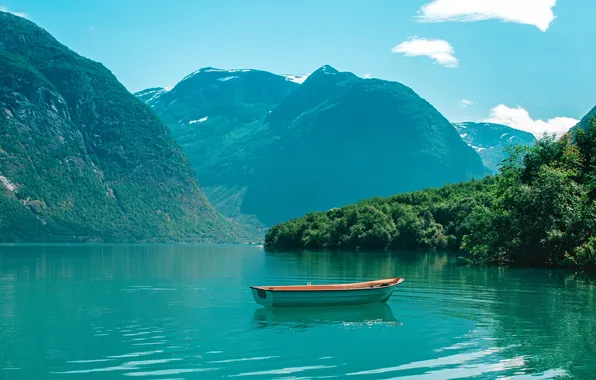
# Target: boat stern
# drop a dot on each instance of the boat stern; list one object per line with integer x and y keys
{"x": 262, "y": 297}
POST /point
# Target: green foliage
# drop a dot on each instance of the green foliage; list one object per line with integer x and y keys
{"x": 584, "y": 255}
{"x": 18, "y": 223}
{"x": 538, "y": 211}
{"x": 431, "y": 218}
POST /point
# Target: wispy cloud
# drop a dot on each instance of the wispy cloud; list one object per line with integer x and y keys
{"x": 519, "y": 118}
{"x": 439, "y": 50}
{"x": 538, "y": 13}
{"x": 4, "y": 8}
{"x": 465, "y": 102}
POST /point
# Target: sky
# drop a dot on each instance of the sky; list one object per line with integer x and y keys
{"x": 528, "y": 64}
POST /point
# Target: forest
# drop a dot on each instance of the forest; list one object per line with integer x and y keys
{"x": 538, "y": 211}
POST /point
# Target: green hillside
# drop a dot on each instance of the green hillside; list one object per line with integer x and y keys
{"x": 81, "y": 159}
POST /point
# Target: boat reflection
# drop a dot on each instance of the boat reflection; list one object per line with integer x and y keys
{"x": 305, "y": 317}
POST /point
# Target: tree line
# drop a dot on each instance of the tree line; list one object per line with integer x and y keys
{"x": 538, "y": 211}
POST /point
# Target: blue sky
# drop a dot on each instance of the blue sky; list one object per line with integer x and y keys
{"x": 517, "y": 62}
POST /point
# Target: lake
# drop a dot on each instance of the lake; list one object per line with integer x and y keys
{"x": 186, "y": 312}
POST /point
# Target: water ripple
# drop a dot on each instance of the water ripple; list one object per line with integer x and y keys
{"x": 443, "y": 361}
{"x": 92, "y": 370}
{"x": 284, "y": 371}
{"x": 136, "y": 354}
{"x": 243, "y": 359}
{"x": 89, "y": 361}
{"x": 166, "y": 372}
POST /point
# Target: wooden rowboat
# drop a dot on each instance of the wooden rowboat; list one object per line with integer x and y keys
{"x": 326, "y": 295}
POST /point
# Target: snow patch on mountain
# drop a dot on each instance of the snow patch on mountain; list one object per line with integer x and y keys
{"x": 227, "y": 78}
{"x": 214, "y": 70}
{"x": 148, "y": 91}
{"x": 155, "y": 96}
{"x": 191, "y": 75}
{"x": 154, "y": 93}
{"x": 296, "y": 78}
{"x": 199, "y": 120}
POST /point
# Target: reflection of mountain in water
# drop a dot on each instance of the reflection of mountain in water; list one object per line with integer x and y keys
{"x": 113, "y": 261}
{"x": 305, "y": 317}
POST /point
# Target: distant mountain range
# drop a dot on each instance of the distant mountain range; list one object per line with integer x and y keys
{"x": 490, "y": 140}
{"x": 81, "y": 159}
{"x": 265, "y": 146}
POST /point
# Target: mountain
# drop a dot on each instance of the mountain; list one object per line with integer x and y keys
{"x": 586, "y": 120}
{"x": 81, "y": 159}
{"x": 216, "y": 116}
{"x": 332, "y": 140}
{"x": 212, "y": 108}
{"x": 342, "y": 138}
{"x": 490, "y": 140}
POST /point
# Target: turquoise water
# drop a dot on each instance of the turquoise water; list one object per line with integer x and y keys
{"x": 186, "y": 312}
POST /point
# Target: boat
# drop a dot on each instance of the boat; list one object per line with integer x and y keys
{"x": 326, "y": 295}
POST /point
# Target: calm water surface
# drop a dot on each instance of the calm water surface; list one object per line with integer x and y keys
{"x": 185, "y": 312}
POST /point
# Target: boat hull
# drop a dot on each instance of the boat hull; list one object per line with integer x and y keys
{"x": 321, "y": 298}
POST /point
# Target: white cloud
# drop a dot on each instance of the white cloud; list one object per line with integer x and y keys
{"x": 367, "y": 75}
{"x": 4, "y": 8}
{"x": 440, "y": 51}
{"x": 465, "y": 102}
{"x": 538, "y": 13}
{"x": 519, "y": 118}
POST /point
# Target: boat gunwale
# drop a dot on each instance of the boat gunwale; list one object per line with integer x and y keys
{"x": 333, "y": 287}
